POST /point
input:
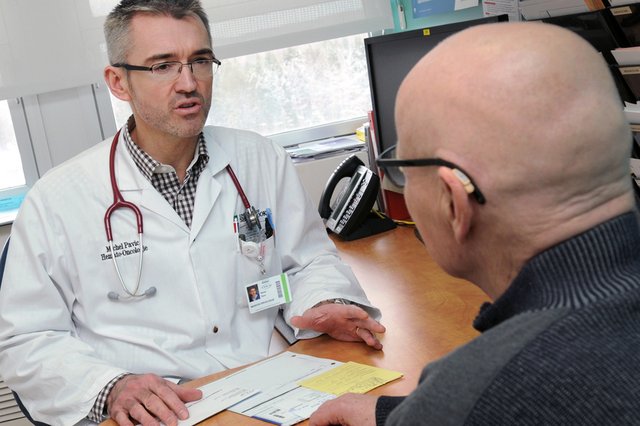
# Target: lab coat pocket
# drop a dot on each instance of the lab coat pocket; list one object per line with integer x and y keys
{"x": 254, "y": 262}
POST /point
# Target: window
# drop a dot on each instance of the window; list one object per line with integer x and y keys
{"x": 17, "y": 164}
{"x": 293, "y": 88}
{"x": 288, "y": 89}
{"x": 11, "y": 171}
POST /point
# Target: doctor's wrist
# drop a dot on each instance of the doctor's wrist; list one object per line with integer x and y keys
{"x": 337, "y": 301}
{"x": 99, "y": 412}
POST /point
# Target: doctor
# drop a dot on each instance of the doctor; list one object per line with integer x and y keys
{"x": 97, "y": 310}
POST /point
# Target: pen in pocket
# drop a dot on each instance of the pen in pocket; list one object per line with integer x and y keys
{"x": 236, "y": 231}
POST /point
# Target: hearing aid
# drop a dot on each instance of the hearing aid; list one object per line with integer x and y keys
{"x": 464, "y": 180}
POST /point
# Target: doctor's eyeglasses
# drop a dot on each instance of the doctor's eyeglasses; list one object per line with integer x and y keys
{"x": 392, "y": 168}
{"x": 168, "y": 71}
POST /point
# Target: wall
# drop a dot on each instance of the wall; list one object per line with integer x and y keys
{"x": 432, "y": 21}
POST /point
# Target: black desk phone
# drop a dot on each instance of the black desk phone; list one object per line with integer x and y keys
{"x": 354, "y": 202}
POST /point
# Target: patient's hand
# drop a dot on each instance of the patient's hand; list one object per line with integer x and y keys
{"x": 347, "y": 410}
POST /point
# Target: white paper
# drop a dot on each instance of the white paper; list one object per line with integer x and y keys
{"x": 267, "y": 390}
{"x": 281, "y": 400}
{"x": 499, "y": 7}
{"x": 216, "y": 397}
{"x": 464, "y": 4}
{"x": 291, "y": 407}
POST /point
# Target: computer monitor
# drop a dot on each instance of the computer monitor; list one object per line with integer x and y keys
{"x": 390, "y": 57}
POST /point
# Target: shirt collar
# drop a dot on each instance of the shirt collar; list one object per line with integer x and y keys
{"x": 148, "y": 166}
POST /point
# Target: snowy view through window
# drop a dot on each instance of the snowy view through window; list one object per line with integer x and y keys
{"x": 11, "y": 173}
{"x": 293, "y": 88}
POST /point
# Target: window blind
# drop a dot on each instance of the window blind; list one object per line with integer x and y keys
{"x": 244, "y": 27}
{"x": 49, "y": 45}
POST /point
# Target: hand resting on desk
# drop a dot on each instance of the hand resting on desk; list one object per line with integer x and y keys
{"x": 342, "y": 322}
{"x": 146, "y": 398}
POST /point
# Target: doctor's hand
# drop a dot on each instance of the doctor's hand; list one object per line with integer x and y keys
{"x": 350, "y": 323}
{"x": 347, "y": 410}
{"x": 148, "y": 400}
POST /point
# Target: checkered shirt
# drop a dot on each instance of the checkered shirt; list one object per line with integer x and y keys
{"x": 181, "y": 196}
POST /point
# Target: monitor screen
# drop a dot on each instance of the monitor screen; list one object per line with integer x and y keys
{"x": 390, "y": 58}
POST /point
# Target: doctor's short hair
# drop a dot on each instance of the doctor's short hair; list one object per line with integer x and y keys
{"x": 118, "y": 22}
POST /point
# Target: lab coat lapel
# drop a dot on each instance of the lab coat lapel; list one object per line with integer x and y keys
{"x": 209, "y": 188}
{"x": 137, "y": 189}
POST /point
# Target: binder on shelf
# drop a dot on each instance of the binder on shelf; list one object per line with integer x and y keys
{"x": 626, "y": 56}
{"x": 394, "y": 199}
{"x": 626, "y": 19}
{"x": 631, "y": 76}
{"x": 390, "y": 199}
{"x": 372, "y": 145}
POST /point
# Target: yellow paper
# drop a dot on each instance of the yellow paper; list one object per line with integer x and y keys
{"x": 350, "y": 377}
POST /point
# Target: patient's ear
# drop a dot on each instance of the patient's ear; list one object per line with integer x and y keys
{"x": 460, "y": 210}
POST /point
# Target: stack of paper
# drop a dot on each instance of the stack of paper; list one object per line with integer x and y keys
{"x": 322, "y": 148}
{"x": 287, "y": 388}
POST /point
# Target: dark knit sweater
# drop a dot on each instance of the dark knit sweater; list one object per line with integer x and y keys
{"x": 560, "y": 346}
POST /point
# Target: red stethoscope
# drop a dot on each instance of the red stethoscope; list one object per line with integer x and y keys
{"x": 250, "y": 216}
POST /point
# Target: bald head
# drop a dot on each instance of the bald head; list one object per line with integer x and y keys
{"x": 531, "y": 112}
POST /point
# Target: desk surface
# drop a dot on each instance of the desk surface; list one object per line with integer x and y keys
{"x": 427, "y": 313}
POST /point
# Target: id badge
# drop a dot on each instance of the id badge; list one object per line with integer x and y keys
{"x": 267, "y": 293}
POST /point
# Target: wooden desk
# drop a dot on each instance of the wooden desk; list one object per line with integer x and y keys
{"x": 427, "y": 313}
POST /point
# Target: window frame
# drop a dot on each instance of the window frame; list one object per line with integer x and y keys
{"x": 27, "y": 157}
{"x": 309, "y": 134}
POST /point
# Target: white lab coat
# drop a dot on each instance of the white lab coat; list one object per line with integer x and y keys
{"x": 62, "y": 339}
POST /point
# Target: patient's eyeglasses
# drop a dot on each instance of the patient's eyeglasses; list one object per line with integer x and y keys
{"x": 392, "y": 168}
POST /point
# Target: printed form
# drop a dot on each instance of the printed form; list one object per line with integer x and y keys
{"x": 289, "y": 387}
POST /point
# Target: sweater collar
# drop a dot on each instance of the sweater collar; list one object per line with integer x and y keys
{"x": 591, "y": 266}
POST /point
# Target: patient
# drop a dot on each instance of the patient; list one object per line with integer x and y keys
{"x": 530, "y": 115}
